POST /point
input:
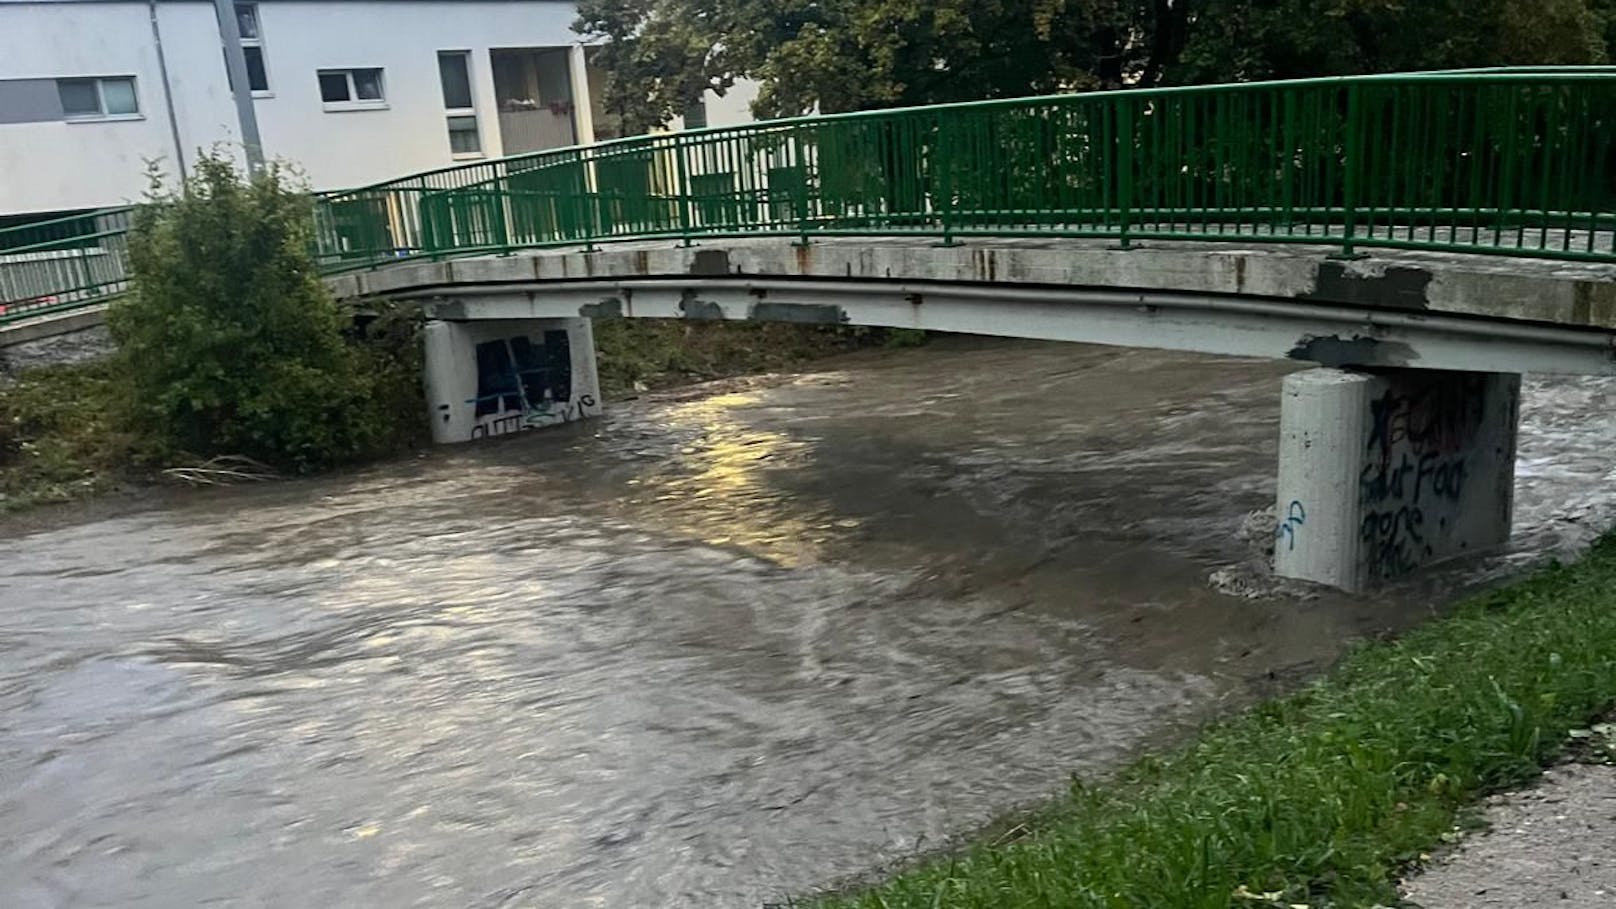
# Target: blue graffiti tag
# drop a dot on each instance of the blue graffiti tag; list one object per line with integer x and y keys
{"x": 1295, "y": 517}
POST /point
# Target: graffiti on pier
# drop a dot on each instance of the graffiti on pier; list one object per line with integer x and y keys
{"x": 1417, "y": 461}
{"x": 1394, "y": 541}
{"x": 1295, "y": 517}
{"x": 1440, "y": 419}
{"x": 1432, "y": 477}
{"x": 552, "y": 413}
{"x": 525, "y": 385}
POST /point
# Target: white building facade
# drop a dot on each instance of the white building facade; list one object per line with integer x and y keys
{"x": 349, "y": 92}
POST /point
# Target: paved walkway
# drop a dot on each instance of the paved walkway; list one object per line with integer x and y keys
{"x": 1550, "y": 846}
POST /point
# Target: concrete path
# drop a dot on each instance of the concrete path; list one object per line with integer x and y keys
{"x": 1550, "y": 846}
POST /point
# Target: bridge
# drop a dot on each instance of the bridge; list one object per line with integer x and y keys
{"x": 1425, "y": 238}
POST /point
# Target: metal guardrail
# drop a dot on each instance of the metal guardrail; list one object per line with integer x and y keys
{"x": 1504, "y": 162}
{"x": 64, "y": 264}
{"x": 1507, "y": 162}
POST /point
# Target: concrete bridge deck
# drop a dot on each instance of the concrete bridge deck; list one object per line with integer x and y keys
{"x": 1391, "y": 309}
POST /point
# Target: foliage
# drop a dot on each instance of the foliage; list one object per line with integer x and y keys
{"x": 1320, "y": 798}
{"x": 1238, "y": 40}
{"x": 658, "y": 64}
{"x": 838, "y": 55}
{"x": 387, "y": 342}
{"x": 653, "y": 353}
{"x": 61, "y": 436}
{"x": 228, "y": 341}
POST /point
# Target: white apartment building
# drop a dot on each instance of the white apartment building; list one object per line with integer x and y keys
{"x": 350, "y": 92}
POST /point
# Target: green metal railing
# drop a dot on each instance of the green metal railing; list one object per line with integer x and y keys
{"x": 1518, "y": 162}
{"x": 1509, "y": 162}
{"x": 63, "y": 264}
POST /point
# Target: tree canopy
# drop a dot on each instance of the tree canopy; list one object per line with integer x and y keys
{"x": 1237, "y": 40}
{"x": 660, "y": 56}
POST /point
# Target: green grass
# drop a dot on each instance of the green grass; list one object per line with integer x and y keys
{"x": 658, "y": 353}
{"x": 1320, "y": 798}
{"x": 60, "y": 438}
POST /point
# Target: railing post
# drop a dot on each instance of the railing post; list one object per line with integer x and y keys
{"x": 1507, "y": 174}
{"x": 1125, "y": 163}
{"x": 499, "y": 209}
{"x": 943, "y": 183}
{"x": 81, "y": 256}
{"x": 685, "y": 219}
{"x": 589, "y": 200}
{"x": 1293, "y": 169}
{"x": 589, "y": 203}
{"x": 799, "y": 188}
{"x": 943, "y": 188}
{"x": 1352, "y": 162}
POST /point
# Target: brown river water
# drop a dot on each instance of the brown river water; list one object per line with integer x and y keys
{"x": 720, "y": 647}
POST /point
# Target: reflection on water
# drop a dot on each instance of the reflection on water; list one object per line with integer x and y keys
{"x": 722, "y": 465}
{"x": 713, "y": 649}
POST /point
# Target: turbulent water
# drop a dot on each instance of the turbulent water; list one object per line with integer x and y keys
{"x": 720, "y": 647}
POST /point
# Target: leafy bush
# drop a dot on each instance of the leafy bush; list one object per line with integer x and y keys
{"x": 228, "y": 342}
{"x": 387, "y": 340}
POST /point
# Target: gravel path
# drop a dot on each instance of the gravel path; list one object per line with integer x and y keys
{"x": 1550, "y": 846}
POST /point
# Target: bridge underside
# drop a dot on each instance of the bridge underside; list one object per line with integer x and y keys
{"x": 1428, "y": 311}
{"x": 1399, "y": 453}
{"x": 1327, "y": 334}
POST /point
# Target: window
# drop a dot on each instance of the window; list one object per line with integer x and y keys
{"x": 80, "y": 97}
{"x": 247, "y": 21}
{"x": 463, "y": 138}
{"x": 252, "y": 47}
{"x": 334, "y": 87}
{"x": 351, "y": 89}
{"x": 696, "y": 116}
{"x": 98, "y": 99}
{"x": 257, "y": 76}
{"x": 452, "y": 67}
{"x": 454, "y": 70}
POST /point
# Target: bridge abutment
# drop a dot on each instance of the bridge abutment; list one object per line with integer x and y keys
{"x": 1382, "y": 473}
{"x": 494, "y": 377}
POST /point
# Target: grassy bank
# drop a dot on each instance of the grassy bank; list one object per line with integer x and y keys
{"x": 63, "y": 436}
{"x": 1321, "y": 798}
{"x": 636, "y": 354}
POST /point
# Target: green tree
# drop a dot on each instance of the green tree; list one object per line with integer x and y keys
{"x": 839, "y": 55}
{"x": 1239, "y": 40}
{"x": 228, "y": 342}
{"x": 660, "y": 58}
{"x": 1605, "y": 12}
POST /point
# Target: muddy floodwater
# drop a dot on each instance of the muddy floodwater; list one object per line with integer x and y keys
{"x": 722, "y": 646}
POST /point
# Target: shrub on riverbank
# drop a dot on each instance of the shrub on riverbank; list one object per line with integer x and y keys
{"x": 1320, "y": 798}
{"x": 228, "y": 341}
{"x": 229, "y": 344}
{"x": 64, "y": 432}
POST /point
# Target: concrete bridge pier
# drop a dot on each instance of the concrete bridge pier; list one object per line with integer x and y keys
{"x": 493, "y": 377}
{"x": 1383, "y": 472}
